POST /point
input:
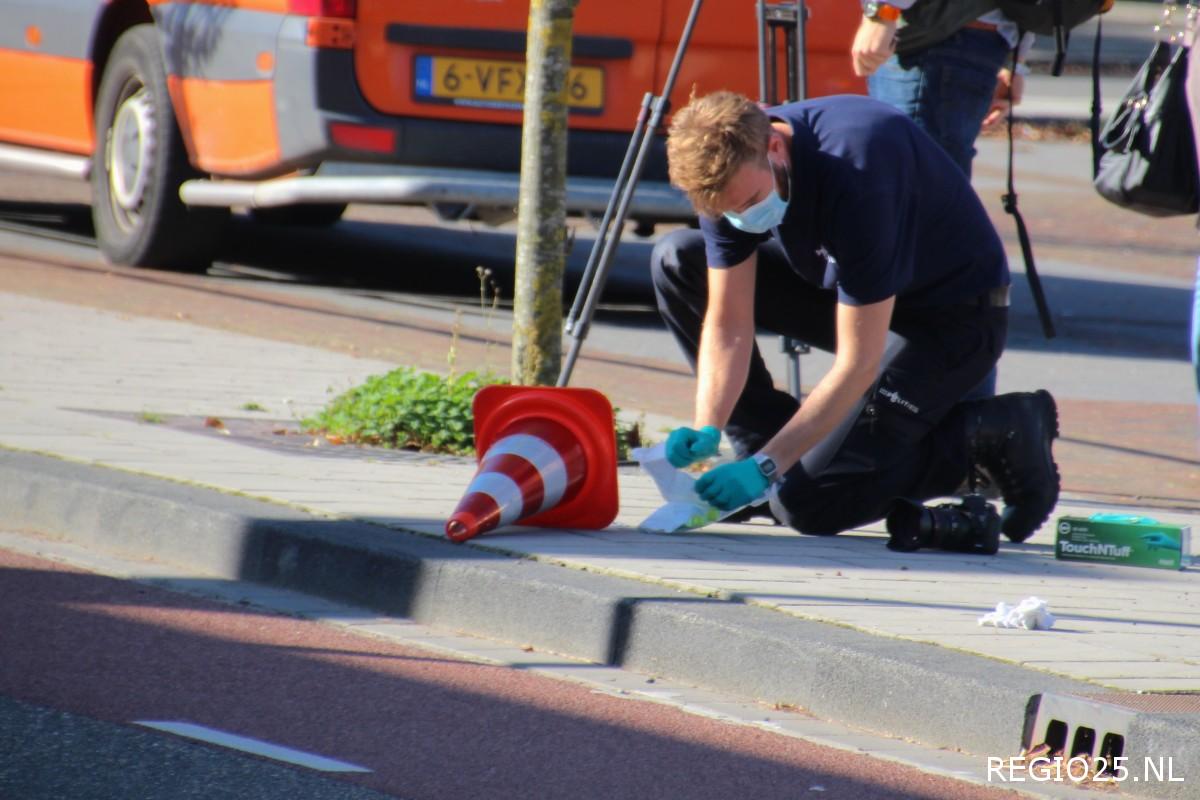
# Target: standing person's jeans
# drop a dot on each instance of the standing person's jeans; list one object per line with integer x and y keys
{"x": 1196, "y": 329}
{"x": 947, "y": 89}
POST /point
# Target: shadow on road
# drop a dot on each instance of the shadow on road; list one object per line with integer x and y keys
{"x": 428, "y": 726}
{"x": 1093, "y": 316}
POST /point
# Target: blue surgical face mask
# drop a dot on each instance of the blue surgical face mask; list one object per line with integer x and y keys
{"x": 763, "y": 215}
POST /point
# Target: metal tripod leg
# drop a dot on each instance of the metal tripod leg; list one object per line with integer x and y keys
{"x": 596, "y": 273}
{"x": 789, "y": 18}
{"x": 794, "y": 348}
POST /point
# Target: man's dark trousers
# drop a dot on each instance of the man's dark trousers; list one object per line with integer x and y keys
{"x": 904, "y": 438}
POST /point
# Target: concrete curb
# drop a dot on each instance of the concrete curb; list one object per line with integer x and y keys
{"x": 937, "y": 696}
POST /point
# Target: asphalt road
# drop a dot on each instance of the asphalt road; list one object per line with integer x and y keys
{"x": 85, "y": 656}
{"x": 50, "y": 754}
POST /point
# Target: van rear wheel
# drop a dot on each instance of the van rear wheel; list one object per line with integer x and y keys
{"x": 139, "y": 163}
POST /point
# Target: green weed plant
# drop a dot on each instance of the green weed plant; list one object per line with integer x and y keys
{"x": 407, "y": 409}
{"x": 413, "y": 409}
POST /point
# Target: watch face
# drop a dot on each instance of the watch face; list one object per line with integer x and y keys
{"x": 766, "y": 465}
{"x": 871, "y": 9}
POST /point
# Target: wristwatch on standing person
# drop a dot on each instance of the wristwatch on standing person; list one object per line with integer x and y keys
{"x": 880, "y": 12}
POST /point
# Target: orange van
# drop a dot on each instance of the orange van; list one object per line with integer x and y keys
{"x": 178, "y": 110}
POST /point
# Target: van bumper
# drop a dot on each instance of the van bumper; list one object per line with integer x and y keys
{"x": 382, "y": 184}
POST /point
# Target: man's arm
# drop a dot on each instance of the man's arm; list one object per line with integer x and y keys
{"x": 875, "y": 39}
{"x": 861, "y": 340}
{"x": 726, "y": 342}
{"x": 874, "y": 43}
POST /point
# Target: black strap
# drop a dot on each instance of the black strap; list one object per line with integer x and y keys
{"x": 1010, "y": 206}
{"x": 1062, "y": 38}
{"x": 1094, "y": 122}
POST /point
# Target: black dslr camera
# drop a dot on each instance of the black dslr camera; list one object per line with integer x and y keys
{"x": 972, "y": 526}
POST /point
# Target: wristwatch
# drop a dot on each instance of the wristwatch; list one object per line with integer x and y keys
{"x": 880, "y": 12}
{"x": 766, "y": 467}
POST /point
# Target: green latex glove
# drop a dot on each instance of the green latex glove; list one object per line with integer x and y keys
{"x": 731, "y": 486}
{"x": 686, "y": 446}
{"x": 1155, "y": 540}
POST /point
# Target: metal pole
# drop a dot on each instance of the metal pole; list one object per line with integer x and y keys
{"x": 797, "y": 90}
{"x": 761, "y": 8}
{"x": 801, "y": 50}
{"x": 688, "y": 26}
{"x": 787, "y": 345}
{"x": 602, "y": 233}
{"x": 792, "y": 77}
{"x": 593, "y": 292}
{"x": 772, "y": 61}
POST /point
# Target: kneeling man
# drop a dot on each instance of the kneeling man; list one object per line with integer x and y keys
{"x": 838, "y": 222}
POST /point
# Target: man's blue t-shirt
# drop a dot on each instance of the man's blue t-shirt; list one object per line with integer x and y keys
{"x": 876, "y": 209}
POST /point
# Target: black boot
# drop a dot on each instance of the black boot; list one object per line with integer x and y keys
{"x": 972, "y": 526}
{"x": 1010, "y": 437}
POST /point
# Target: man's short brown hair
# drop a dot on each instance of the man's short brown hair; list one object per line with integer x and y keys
{"x": 709, "y": 140}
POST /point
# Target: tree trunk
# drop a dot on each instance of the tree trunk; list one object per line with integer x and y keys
{"x": 542, "y": 212}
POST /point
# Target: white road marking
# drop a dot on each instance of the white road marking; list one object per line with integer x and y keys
{"x": 255, "y": 746}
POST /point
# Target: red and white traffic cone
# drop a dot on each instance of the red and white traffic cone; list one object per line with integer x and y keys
{"x": 549, "y": 459}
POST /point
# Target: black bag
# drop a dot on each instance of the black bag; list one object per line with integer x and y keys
{"x": 1146, "y": 156}
{"x": 928, "y": 22}
{"x": 1047, "y": 17}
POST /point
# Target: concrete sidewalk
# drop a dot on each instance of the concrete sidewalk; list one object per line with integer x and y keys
{"x": 132, "y": 394}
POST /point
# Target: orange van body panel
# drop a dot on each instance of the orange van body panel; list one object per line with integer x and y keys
{"x": 723, "y": 53}
{"x": 229, "y": 126}
{"x": 385, "y": 70}
{"x": 47, "y": 101}
{"x": 232, "y": 127}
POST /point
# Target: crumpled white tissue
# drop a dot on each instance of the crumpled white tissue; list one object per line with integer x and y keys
{"x": 1032, "y": 613}
{"x": 683, "y": 509}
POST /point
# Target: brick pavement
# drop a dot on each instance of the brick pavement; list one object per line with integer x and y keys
{"x": 61, "y": 364}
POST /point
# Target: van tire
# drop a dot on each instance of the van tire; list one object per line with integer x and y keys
{"x": 138, "y": 164}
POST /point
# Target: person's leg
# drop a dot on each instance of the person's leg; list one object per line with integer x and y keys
{"x": 946, "y": 89}
{"x": 1010, "y": 439}
{"x": 1196, "y": 329}
{"x": 784, "y": 303}
{"x": 902, "y": 440}
{"x": 902, "y": 85}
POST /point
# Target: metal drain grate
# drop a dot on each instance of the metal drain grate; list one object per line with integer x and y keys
{"x": 1075, "y": 724}
{"x": 1151, "y": 741}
